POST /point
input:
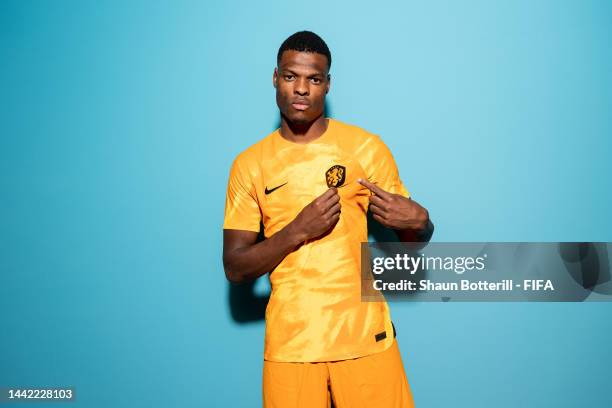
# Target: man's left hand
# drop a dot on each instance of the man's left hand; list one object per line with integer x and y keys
{"x": 395, "y": 211}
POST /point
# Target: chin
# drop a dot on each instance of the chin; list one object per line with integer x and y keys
{"x": 300, "y": 119}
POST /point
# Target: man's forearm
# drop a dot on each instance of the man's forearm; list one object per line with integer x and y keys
{"x": 416, "y": 235}
{"x": 252, "y": 261}
{"x": 244, "y": 259}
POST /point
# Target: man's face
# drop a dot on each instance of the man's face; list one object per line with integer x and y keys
{"x": 301, "y": 81}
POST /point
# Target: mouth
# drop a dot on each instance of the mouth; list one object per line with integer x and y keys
{"x": 300, "y": 105}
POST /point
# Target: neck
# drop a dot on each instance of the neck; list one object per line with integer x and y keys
{"x": 303, "y": 132}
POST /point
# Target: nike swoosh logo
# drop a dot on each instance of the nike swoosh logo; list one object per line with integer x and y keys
{"x": 269, "y": 191}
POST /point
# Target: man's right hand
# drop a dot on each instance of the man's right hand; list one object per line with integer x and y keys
{"x": 245, "y": 259}
{"x": 317, "y": 217}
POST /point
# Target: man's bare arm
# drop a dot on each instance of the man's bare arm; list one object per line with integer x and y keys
{"x": 246, "y": 259}
{"x": 416, "y": 235}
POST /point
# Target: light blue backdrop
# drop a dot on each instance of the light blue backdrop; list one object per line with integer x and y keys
{"x": 119, "y": 121}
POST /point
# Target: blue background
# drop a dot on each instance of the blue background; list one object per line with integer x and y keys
{"x": 119, "y": 121}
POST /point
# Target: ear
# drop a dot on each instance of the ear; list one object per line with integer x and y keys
{"x": 328, "y": 83}
{"x": 275, "y": 78}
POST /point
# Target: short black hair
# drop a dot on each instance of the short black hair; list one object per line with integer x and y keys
{"x": 305, "y": 41}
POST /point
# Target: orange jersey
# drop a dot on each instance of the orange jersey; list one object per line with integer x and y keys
{"x": 315, "y": 312}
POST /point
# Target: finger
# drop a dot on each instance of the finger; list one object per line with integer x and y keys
{"x": 379, "y": 219}
{"x": 331, "y": 192}
{"x": 376, "y": 200}
{"x": 333, "y": 209}
{"x": 330, "y": 203}
{"x": 334, "y": 218}
{"x": 377, "y": 210}
{"x": 373, "y": 188}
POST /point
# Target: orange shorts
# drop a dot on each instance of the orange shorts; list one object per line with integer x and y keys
{"x": 373, "y": 381}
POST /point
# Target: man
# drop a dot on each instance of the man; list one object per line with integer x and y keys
{"x": 311, "y": 183}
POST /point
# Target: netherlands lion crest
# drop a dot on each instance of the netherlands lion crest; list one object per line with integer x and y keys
{"x": 335, "y": 176}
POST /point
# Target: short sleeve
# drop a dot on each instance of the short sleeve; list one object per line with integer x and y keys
{"x": 241, "y": 206}
{"x": 383, "y": 169}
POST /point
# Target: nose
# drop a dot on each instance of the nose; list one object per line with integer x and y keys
{"x": 301, "y": 87}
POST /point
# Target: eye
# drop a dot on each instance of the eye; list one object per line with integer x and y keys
{"x": 315, "y": 81}
{"x": 288, "y": 77}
